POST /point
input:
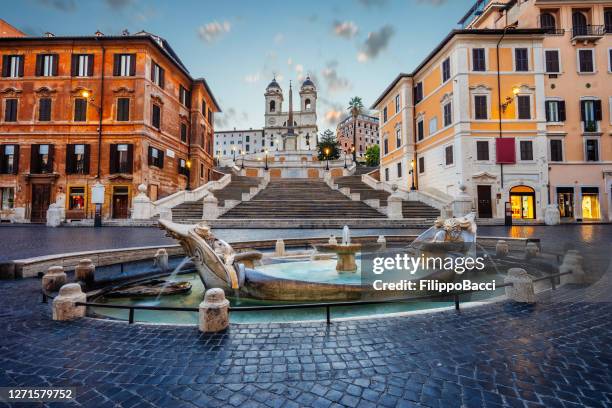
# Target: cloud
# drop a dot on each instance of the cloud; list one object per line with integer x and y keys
{"x": 118, "y": 4}
{"x": 335, "y": 83}
{"x": 61, "y": 5}
{"x": 345, "y": 29}
{"x": 252, "y": 78}
{"x": 372, "y": 3}
{"x": 376, "y": 42}
{"x": 231, "y": 118}
{"x": 432, "y": 2}
{"x": 211, "y": 32}
{"x": 333, "y": 116}
{"x": 279, "y": 38}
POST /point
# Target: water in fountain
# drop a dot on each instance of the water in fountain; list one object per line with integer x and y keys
{"x": 346, "y": 235}
{"x": 172, "y": 276}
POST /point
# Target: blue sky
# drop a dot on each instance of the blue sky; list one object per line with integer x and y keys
{"x": 348, "y": 47}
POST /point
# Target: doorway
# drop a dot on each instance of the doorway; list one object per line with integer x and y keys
{"x": 485, "y": 206}
{"x": 522, "y": 199}
{"x": 565, "y": 200}
{"x": 120, "y": 201}
{"x": 41, "y": 198}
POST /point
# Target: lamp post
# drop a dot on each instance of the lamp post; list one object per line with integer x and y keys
{"x": 89, "y": 100}
{"x": 188, "y": 165}
{"x": 234, "y": 153}
{"x": 345, "y": 166}
{"x": 326, "y": 150}
{"x": 266, "y": 153}
{"x": 412, "y": 188}
{"x": 242, "y": 164}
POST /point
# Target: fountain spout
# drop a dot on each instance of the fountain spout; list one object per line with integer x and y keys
{"x": 346, "y": 235}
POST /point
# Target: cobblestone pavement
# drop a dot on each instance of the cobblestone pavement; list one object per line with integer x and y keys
{"x": 554, "y": 354}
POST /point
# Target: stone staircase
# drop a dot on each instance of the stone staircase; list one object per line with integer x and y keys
{"x": 301, "y": 199}
{"x": 192, "y": 211}
{"x": 416, "y": 209}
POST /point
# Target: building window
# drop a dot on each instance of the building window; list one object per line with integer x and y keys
{"x": 481, "y": 108}
{"x": 386, "y": 146}
{"x": 555, "y": 111}
{"x": 579, "y": 23}
{"x": 591, "y": 113}
{"x": 420, "y": 129}
{"x": 399, "y": 170}
{"x": 211, "y": 117}
{"x": 156, "y": 116}
{"x": 448, "y": 155}
{"x": 387, "y": 174}
{"x": 586, "y": 61}
{"x": 552, "y": 61}
{"x": 433, "y": 125}
{"x": 157, "y": 75}
{"x": 421, "y": 165}
{"x": 482, "y": 150}
{"x": 82, "y": 65}
{"x": 77, "y": 159}
{"x": 272, "y": 106}
{"x": 524, "y": 106}
{"x": 448, "y": 114}
{"x": 76, "y": 198}
{"x": 608, "y": 21}
{"x": 479, "y": 62}
{"x": 123, "y": 109}
{"x": 398, "y": 137}
{"x": 121, "y": 158}
{"x": 385, "y": 114}
{"x": 547, "y": 22}
{"x": 156, "y": 157}
{"x": 184, "y": 96}
{"x": 183, "y": 133}
{"x": 592, "y": 150}
{"x": 41, "y": 160}
{"x": 526, "y": 150}
{"x": 124, "y": 65}
{"x": 80, "y": 109}
{"x": 521, "y": 59}
{"x": 44, "y": 109}
{"x": 446, "y": 70}
{"x": 10, "y": 110}
{"x": 418, "y": 93}
{"x": 46, "y": 65}
{"x": 7, "y": 195}
{"x": 12, "y": 66}
{"x": 9, "y": 159}
{"x": 556, "y": 150}
{"x": 397, "y": 103}
{"x": 182, "y": 169}
{"x": 522, "y": 200}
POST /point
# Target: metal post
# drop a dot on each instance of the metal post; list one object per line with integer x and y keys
{"x": 131, "y": 318}
{"x": 553, "y": 283}
{"x": 456, "y": 302}
{"x": 327, "y": 311}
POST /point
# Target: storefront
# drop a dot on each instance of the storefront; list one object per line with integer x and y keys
{"x": 590, "y": 203}
{"x": 565, "y": 201}
{"x": 522, "y": 201}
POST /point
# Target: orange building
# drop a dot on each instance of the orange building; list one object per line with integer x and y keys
{"x": 122, "y": 110}
{"x": 367, "y": 133}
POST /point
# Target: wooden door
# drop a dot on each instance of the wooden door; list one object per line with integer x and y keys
{"x": 485, "y": 207}
{"x": 120, "y": 202}
{"x": 41, "y": 198}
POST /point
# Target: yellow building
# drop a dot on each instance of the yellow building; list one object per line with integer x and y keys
{"x": 554, "y": 90}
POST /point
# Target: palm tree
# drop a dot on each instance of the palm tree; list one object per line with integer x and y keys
{"x": 355, "y": 107}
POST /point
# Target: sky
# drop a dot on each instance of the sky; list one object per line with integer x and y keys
{"x": 348, "y": 47}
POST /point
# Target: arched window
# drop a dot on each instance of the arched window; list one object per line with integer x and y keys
{"x": 547, "y": 21}
{"x": 579, "y": 23}
{"x": 307, "y": 104}
{"x": 608, "y": 21}
{"x": 272, "y": 106}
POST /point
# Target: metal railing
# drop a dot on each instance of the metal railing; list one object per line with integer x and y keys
{"x": 588, "y": 31}
{"x": 455, "y": 296}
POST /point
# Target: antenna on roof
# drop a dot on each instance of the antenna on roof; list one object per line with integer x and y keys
{"x": 125, "y": 32}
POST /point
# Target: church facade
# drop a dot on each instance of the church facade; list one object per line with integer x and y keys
{"x": 290, "y": 129}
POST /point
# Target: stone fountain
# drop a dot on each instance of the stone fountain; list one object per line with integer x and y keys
{"x": 345, "y": 251}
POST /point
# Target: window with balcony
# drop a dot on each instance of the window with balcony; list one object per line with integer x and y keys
{"x": 552, "y": 61}
{"x": 608, "y": 21}
{"x": 77, "y": 159}
{"x": 555, "y": 111}
{"x": 80, "y": 109}
{"x": 579, "y": 24}
{"x": 591, "y": 150}
{"x": 446, "y": 70}
{"x": 526, "y": 150}
{"x": 121, "y": 158}
{"x": 12, "y": 66}
{"x": 82, "y": 65}
{"x": 586, "y": 60}
{"x": 157, "y": 75}
{"x": 479, "y": 62}
{"x": 41, "y": 159}
{"x": 46, "y": 65}
{"x": 124, "y": 65}
{"x": 524, "y": 107}
{"x": 521, "y": 59}
{"x": 156, "y": 157}
{"x": 9, "y": 159}
{"x": 481, "y": 107}
{"x": 548, "y": 22}
{"x": 44, "y": 109}
{"x": 10, "y": 110}
{"x": 591, "y": 114}
{"x": 556, "y": 150}
{"x": 482, "y": 150}
{"x": 156, "y": 116}
{"x": 123, "y": 109}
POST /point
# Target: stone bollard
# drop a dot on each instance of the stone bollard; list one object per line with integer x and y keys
{"x": 522, "y": 286}
{"x": 332, "y": 240}
{"x": 214, "y": 311}
{"x": 53, "y": 280}
{"x": 572, "y": 262}
{"x": 279, "y": 250}
{"x": 501, "y": 249}
{"x": 85, "y": 272}
{"x": 382, "y": 241}
{"x": 64, "y": 307}
{"x": 531, "y": 250}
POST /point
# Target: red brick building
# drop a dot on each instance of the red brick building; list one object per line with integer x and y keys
{"x": 367, "y": 133}
{"x": 120, "y": 109}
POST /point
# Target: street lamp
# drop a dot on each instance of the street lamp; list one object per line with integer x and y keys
{"x": 345, "y": 151}
{"x": 234, "y": 152}
{"x": 242, "y": 164}
{"x": 266, "y": 152}
{"x": 326, "y": 150}
{"x": 87, "y": 95}
{"x": 188, "y": 165}
{"x": 412, "y": 188}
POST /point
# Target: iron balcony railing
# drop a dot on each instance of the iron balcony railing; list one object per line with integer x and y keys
{"x": 591, "y": 126}
{"x": 553, "y": 30}
{"x": 588, "y": 31}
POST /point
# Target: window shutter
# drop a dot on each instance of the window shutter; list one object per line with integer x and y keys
{"x": 21, "y": 64}
{"x": 39, "y": 65}
{"x": 598, "y": 112}
{"x": 547, "y": 105}
{"x": 34, "y": 163}
{"x": 113, "y": 159}
{"x": 90, "y": 62}
{"x": 130, "y": 158}
{"x": 583, "y": 111}
{"x": 132, "y": 64}
{"x": 55, "y": 64}
{"x": 16, "y": 160}
{"x": 5, "y": 66}
{"x": 69, "y": 161}
{"x": 161, "y": 78}
{"x": 117, "y": 64}
{"x": 150, "y": 156}
{"x": 161, "y": 159}
{"x": 51, "y": 154}
{"x": 86, "y": 159}
{"x": 561, "y": 111}
{"x": 74, "y": 64}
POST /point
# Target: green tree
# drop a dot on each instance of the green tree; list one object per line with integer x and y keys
{"x": 328, "y": 141}
{"x": 355, "y": 108}
{"x": 372, "y": 155}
